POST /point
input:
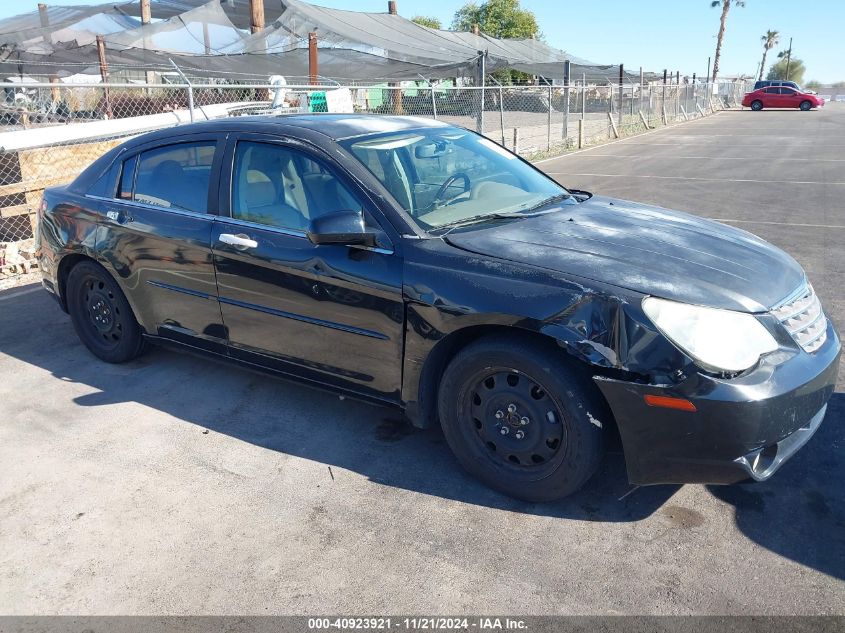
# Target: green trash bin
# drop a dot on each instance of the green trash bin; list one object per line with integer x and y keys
{"x": 317, "y": 102}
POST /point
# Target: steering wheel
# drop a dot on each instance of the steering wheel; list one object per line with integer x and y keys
{"x": 439, "y": 201}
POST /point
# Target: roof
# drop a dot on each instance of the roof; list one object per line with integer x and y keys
{"x": 332, "y": 126}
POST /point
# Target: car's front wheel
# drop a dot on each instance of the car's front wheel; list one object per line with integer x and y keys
{"x": 521, "y": 419}
{"x": 101, "y": 315}
{"x": 806, "y": 105}
{"x": 756, "y": 105}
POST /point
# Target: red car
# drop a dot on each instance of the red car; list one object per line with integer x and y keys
{"x": 781, "y": 97}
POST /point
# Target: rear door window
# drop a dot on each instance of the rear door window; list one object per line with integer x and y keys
{"x": 175, "y": 176}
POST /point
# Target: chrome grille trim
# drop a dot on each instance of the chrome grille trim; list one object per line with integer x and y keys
{"x": 802, "y": 316}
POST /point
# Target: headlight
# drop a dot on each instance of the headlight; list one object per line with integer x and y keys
{"x": 718, "y": 340}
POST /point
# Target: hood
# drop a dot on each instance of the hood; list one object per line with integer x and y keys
{"x": 647, "y": 249}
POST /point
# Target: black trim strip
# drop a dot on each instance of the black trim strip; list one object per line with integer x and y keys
{"x": 280, "y": 313}
{"x": 298, "y": 317}
{"x": 187, "y": 291}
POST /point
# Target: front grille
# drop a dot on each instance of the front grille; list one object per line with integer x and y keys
{"x": 804, "y": 319}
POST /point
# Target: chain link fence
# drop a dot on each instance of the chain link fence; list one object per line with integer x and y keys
{"x": 50, "y": 132}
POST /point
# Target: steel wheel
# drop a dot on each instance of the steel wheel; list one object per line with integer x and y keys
{"x": 104, "y": 317}
{"x": 515, "y": 419}
{"x": 101, "y": 314}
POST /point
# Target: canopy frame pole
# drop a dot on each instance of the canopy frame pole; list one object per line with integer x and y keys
{"x": 146, "y": 18}
{"x": 313, "y": 60}
{"x": 431, "y": 92}
{"x": 190, "y": 89}
{"x": 104, "y": 72}
{"x": 256, "y": 18}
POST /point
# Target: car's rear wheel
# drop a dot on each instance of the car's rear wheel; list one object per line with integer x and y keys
{"x": 756, "y": 105}
{"x": 806, "y": 105}
{"x": 101, "y": 314}
{"x": 521, "y": 419}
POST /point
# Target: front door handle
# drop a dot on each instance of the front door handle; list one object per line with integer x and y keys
{"x": 239, "y": 241}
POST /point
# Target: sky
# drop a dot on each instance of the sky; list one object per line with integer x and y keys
{"x": 655, "y": 34}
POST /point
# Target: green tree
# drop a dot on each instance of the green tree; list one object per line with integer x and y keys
{"x": 422, "y": 20}
{"x": 497, "y": 18}
{"x": 770, "y": 40}
{"x": 813, "y": 85}
{"x": 723, "y": 21}
{"x": 502, "y": 19}
{"x": 796, "y": 69}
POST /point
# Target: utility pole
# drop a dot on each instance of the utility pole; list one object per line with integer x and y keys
{"x": 788, "y": 58}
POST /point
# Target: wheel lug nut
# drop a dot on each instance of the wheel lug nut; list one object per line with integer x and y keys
{"x": 524, "y": 420}
{"x": 504, "y": 430}
{"x": 511, "y": 408}
{"x": 499, "y": 415}
{"x": 519, "y": 434}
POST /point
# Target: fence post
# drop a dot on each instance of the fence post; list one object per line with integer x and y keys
{"x": 621, "y": 93}
{"x": 549, "y": 122}
{"x": 516, "y": 140}
{"x": 663, "y": 99}
{"x": 641, "y": 89}
{"x": 502, "y": 113}
{"x": 580, "y": 133}
{"x": 583, "y": 96}
{"x": 567, "y": 67}
{"x": 481, "y": 73}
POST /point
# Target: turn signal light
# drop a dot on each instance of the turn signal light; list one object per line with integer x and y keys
{"x": 668, "y": 402}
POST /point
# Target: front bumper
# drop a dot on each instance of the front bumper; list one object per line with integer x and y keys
{"x": 745, "y": 427}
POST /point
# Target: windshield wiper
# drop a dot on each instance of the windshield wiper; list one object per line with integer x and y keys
{"x": 475, "y": 219}
{"x": 550, "y": 200}
{"x": 509, "y": 215}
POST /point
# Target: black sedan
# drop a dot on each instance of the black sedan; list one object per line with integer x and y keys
{"x": 412, "y": 263}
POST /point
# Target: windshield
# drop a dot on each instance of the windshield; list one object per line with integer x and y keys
{"x": 445, "y": 176}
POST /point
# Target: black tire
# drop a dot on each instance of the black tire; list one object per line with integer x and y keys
{"x": 806, "y": 105}
{"x": 563, "y": 438}
{"x": 756, "y": 105}
{"x": 101, "y": 315}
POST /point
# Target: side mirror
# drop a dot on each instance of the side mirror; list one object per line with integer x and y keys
{"x": 341, "y": 227}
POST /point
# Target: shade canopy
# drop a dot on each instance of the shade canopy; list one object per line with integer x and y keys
{"x": 212, "y": 39}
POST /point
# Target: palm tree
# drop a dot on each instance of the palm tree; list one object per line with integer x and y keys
{"x": 770, "y": 40}
{"x": 726, "y": 7}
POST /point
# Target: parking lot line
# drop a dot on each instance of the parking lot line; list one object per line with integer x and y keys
{"x": 742, "y": 158}
{"x": 15, "y": 295}
{"x": 774, "y": 182}
{"x": 812, "y": 226}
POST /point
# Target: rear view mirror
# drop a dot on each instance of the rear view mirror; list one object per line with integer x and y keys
{"x": 430, "y": 150}
{"x": 341, "y": 227}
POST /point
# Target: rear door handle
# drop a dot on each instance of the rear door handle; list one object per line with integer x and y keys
{"x": 239, "y": 241}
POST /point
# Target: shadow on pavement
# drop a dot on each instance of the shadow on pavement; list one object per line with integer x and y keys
{"x": 800, "y": 512}
{"x": 376, "y": 442}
